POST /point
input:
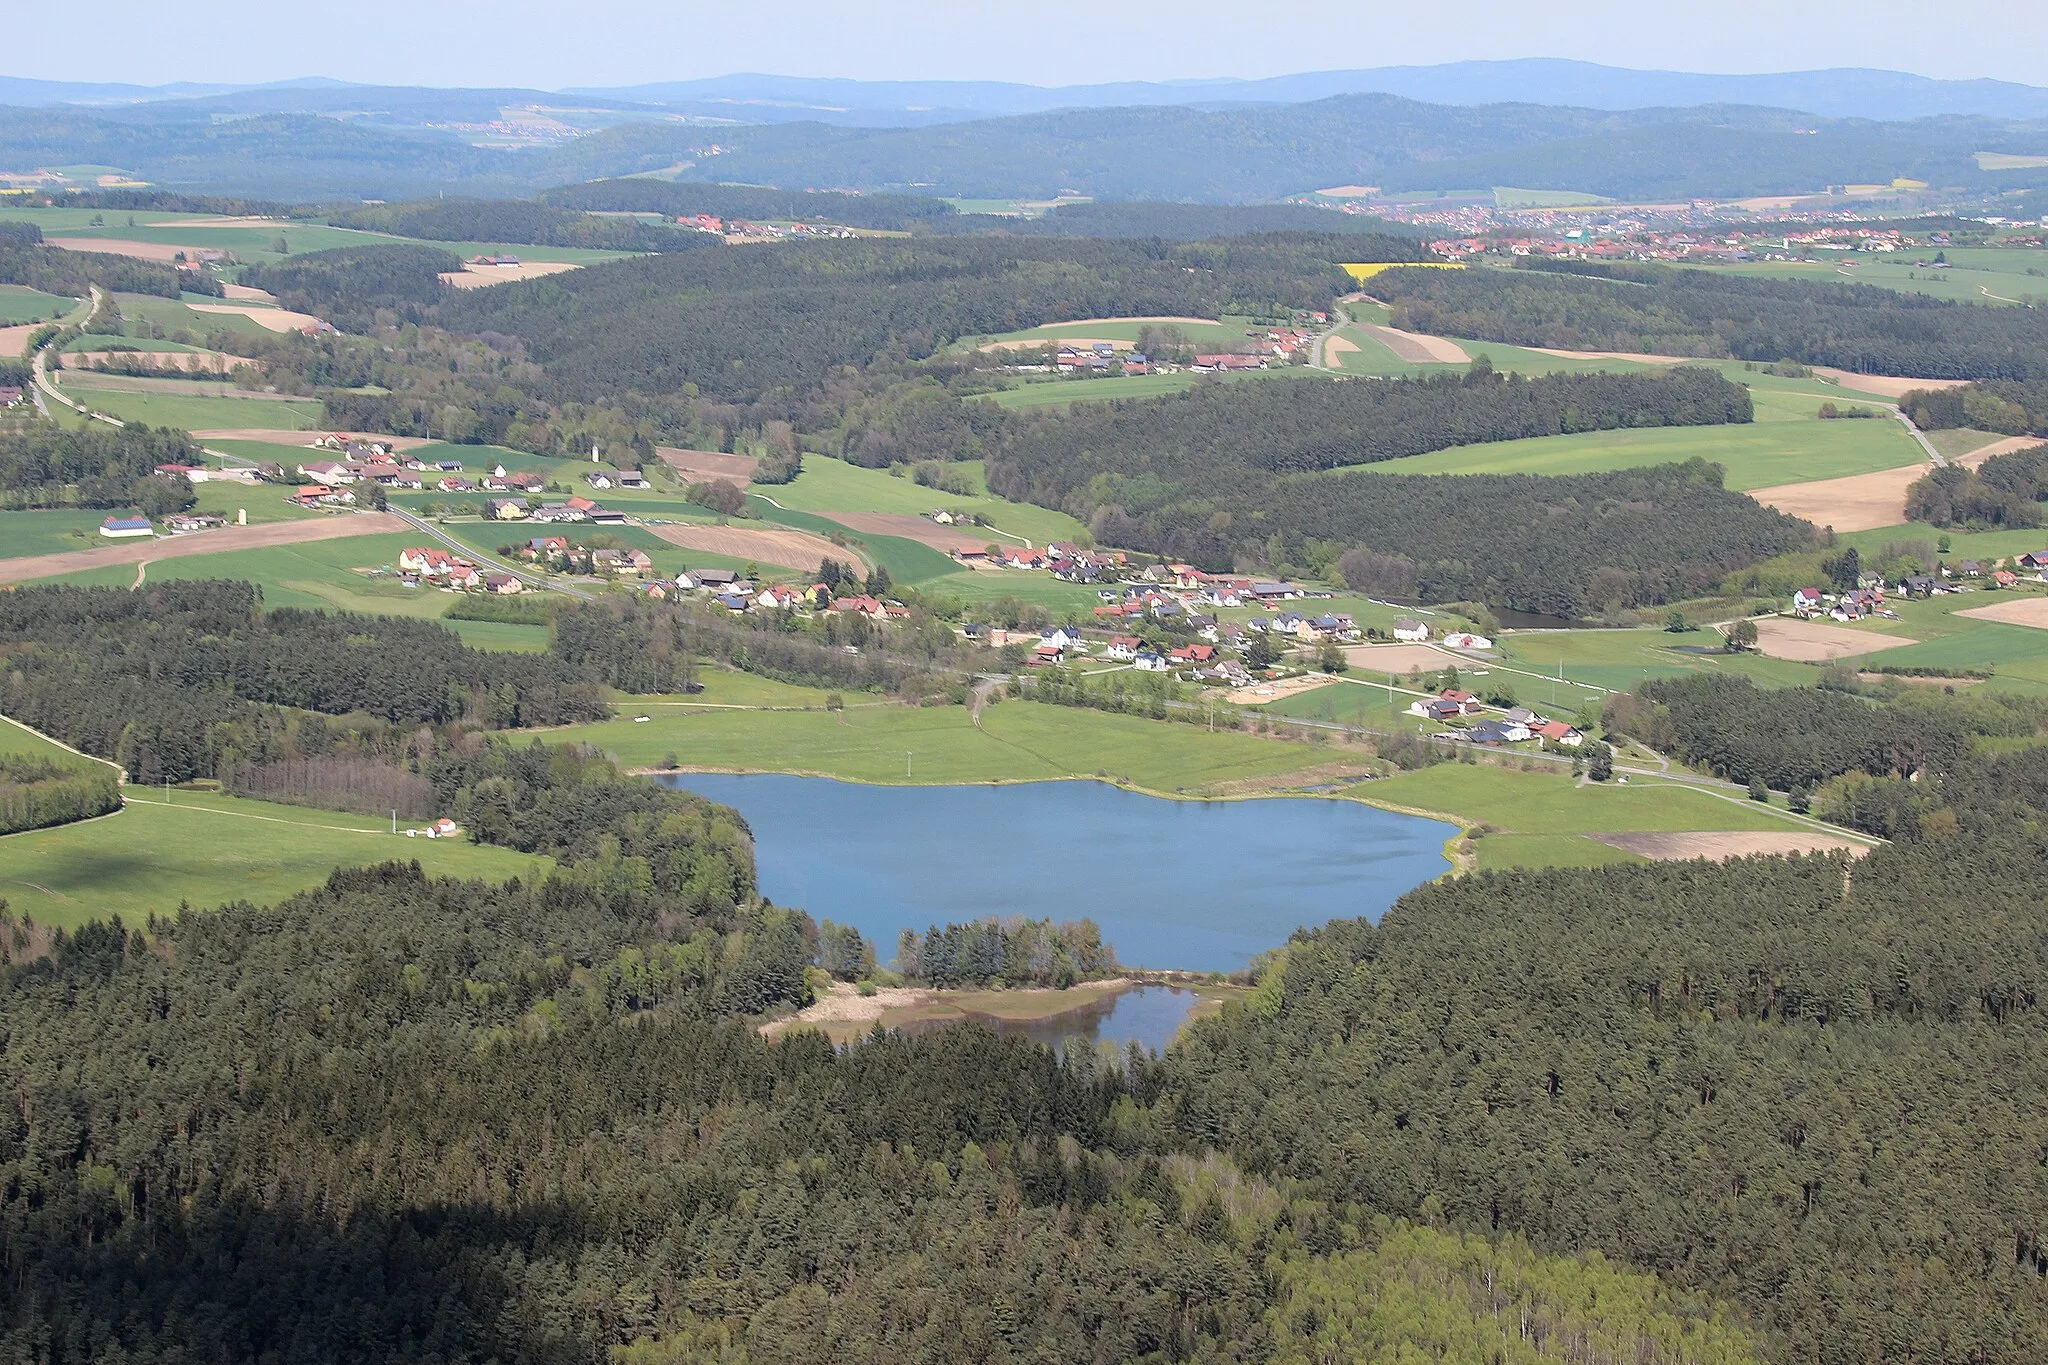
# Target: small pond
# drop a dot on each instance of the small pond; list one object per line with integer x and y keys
{"x": 1193, "y": 885}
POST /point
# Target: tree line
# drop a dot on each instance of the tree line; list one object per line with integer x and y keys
{"x": 2007, "y": 406}
{"x": 521, "y": 221}
{"x": 1006, "y": 952}
{"x": 1663, "y": 310}
{"x": 45, "y": 465}
{"x": 53, "y": 270}
{"x": 2006, "y": 490}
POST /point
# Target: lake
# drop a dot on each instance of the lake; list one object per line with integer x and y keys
{"x": 1193, "y": 885}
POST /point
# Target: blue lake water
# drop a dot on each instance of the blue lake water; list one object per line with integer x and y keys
{"x": 1194, "y": 885}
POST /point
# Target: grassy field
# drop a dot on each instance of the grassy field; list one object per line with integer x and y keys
{"x": 18, "y": 739}
{"x": 1619, "y": 659}
{"x": 201, "y": 414}
{"x": 1995, "y": 275}
{"x": 19, "y": 303}
{"x": 205, "y": 849}
{"x": 258, "y": 242}
{"x": 907, "y": 561}
{"x": 1788, "y": 443}
{"x": 171, "y": 316}
{"x": 1550, "y": 803}
{"x": 1016, "y": 742}
{"x": 827, "y": 485}
{"x": 978, "y": 586}
{"x": 48, "y": 530}
{"x": 324, "y": 573}
{"x": 1060, "y": 392}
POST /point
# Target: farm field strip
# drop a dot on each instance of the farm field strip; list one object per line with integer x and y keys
{"x": 227, "y": 539}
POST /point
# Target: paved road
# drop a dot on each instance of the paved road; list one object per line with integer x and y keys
{"x": 543, "y": 581}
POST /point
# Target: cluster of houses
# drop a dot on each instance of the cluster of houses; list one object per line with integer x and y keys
{"x": 740, "y": 596}
{"x": 559, "y": 555}
{"x": 570, "y": 509}
{"x": 444, "y": 569}
{"x": 1870, "y": 596}
{"x": 1515, "y": 725}
{"x": 11, "y": 396}
{"x": 741, "y": 230}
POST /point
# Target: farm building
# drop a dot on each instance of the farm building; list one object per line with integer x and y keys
{"x": 118, "y": 528}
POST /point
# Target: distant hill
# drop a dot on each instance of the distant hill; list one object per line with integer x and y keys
{"x": 1837, "y": 93}
{"x": 1227, "y": 154}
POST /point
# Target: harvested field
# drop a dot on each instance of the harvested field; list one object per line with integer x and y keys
{"x": 2005, "y": 446}
{"x": 1618, "y": 355}
{"x": 909, "y": 527}
{"x": 1338, "y": 345}
{"x": 1891, "y": 386}
{"x": 1258, "y": 694}
{"x": 1810, "y": 642}
{"x": 1857, "y": 502}
{"x": 1042, "y": 343}
{"x": 337, "y": 527}
{"x": 1416, "y": 348}
{"x": 484, "y": 276}
{"x": 248, "y": 293}
{"x": 14, "y": 340}
{"x": 164, "y": 253}
{"x": 778, "y": 545}
{"x": 700, "y": 465}
{"x": 2018, "y": 611}
{"x": 274, "y": 319}
{"x": 1397, "y": 658}
{"x": 1679, "y": 847}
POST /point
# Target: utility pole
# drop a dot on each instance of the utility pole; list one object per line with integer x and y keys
{"x": 394, "y": 819}
{"x": 908, "y": 754}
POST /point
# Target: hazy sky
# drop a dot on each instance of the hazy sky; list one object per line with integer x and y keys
{"x": 620, "y": 42}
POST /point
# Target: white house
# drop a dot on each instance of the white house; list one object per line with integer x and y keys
{"x": 1064, "y": 637}
{"x": 119, "y": 528}
{"x": 1410, "y": 630}
{"x": 1150, "y": 661}
{"x": 327, "y": 471}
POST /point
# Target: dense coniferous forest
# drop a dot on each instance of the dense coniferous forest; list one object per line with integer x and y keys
{"x": 177, "y": 679}
{"x": 44, "y": 465}
{"x": 1013, "y": 953}
{"x": 2012, "y": 407}
{"x": 25, "y": 261}
{"x": 1206, "y": 439}
{"x": 512, "y": 220}
{"x": 349, "y": 286}
{"x": 1661, "y": 310}
{"x": 1205, "y": 477}
{"x": 2006, "y": 490}
{"x": 887, "y": 212}
{"x": 737, "y": 323}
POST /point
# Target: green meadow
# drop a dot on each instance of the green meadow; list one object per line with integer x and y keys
{"x": 45, "y": 531}
{"x": 1616, "y": 660}
{"x": 188, "y": 413}
{"x": 322, "y": 573}
{"x": 259, "y": 241}
{"x": 829, "y": 485}
{"x": 19, "y": 304}
{"x": 1993, "y": 275}
{"x": 1017, "y": 741}
{"x": 203, "y": 849}
{"x": 1554, "y": 803}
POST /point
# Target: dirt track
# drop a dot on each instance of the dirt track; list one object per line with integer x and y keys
{"x": 1416, "y": 348}
{"x": 699, "y": 465}
{"x": 1856, "y": 502}
{"x": 765, "y": 545}
{"x": 337, "y": 527}
{"x": 945, "y": 538}
{"x": 1811, "y": 642}
{"x": 1258, "y": 694}
{"x": 2017, "y": 611}
{"x": 1675, "y": 847}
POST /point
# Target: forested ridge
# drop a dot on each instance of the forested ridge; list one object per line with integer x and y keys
{"x": 2006, "y": 490}
{"x": 738, "y": 323}
{"x": 512, "y": 220}
{"x": 1206, "y": 477}
{"x": 1665, "y": 310}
